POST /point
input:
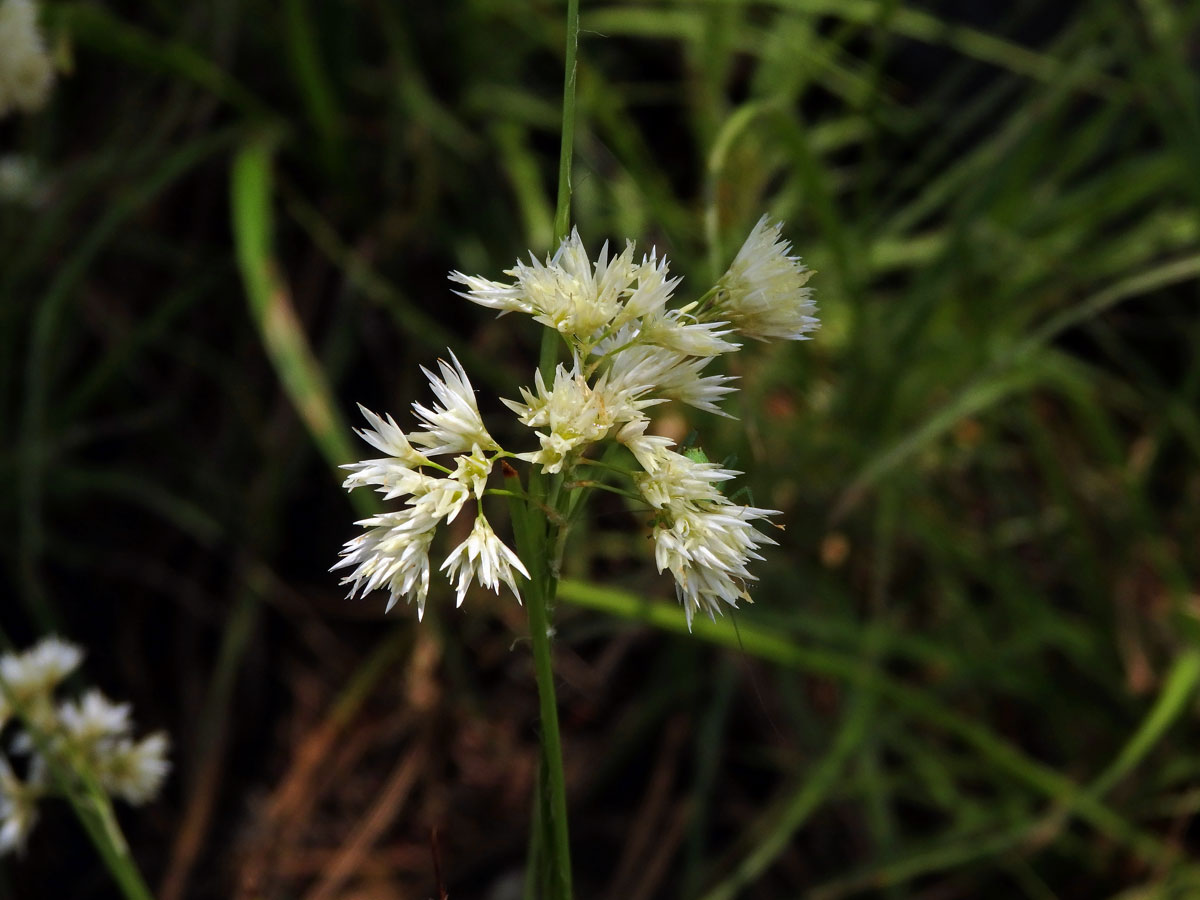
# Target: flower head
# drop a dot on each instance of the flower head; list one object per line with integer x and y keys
{"x": 136, "y": 770}
{"x": 26, "y": 70}
{"x": 667, "y": 375}
{"x": 573, "y": 412}
{"x": 680, "y": 331}
{"x": 700, "y": 536}
{"x": 567, "y": 293}
{"x": 672, "y": 479}
{"x": 454, "y": 425}
{"x": 483, "y": 557}
{"x": 472, "y": 470}
{"x": 646, "y": 448}
{"x": 77, "y": 740}
{"x": 652, "y": 290}
{"x": 707, "y": 547}
{"x": 763, "y": 295}
{"x": 385, "y": 435}
{"x": 98, "y": 731}
{"x": 93, "y": 718}
{"x": 29, "y": 678}
{"x": 393, "y": 552}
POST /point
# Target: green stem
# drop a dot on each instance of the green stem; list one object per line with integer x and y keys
{"x": 562, "y": 214}
{"x": 538, "y": 598}
{"x": 534, "y": 869}
{"x": 601, "y": 486}
{"x": 95, "y": 812}
{"x": 537, "y": 534}
{"x": 536, "y": 538}
{"x": 603, "y": 463}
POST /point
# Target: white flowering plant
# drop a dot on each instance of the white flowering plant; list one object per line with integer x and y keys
{"x": 66, "y": 747}
{"x": 630, "y": 348}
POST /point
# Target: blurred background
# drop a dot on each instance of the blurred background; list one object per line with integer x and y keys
{"x": 970, "y": 667}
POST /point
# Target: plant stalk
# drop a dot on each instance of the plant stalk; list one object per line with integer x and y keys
{"x": 538, "y": 599}
{"x": 537, "y": 537}
{"x": 562, "y": 213}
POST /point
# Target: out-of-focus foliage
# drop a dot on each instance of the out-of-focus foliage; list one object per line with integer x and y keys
{"x": 970, "y": 667}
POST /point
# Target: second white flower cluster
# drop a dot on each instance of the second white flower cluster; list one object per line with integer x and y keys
{"x": 26, "y": 70}
{"x": 90, "y": 737}
{"x": 630, "y": 350}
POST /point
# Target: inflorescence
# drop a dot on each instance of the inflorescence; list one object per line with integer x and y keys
{"x": 90, "y": 737}
{"x": 26, "y": 70}
{"x": 630, "y": 350}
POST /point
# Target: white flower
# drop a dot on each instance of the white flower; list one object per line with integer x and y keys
{"x": 567, "y": 293}
{"x": 98, "y": 730}
{"x": 438, "y": 499}
{"x": 679, "y": 330}
{"x": 641, "y": 369}
{"x": 646, "y": 448}
{"x": 706, "y": 548}
{"x": 18, "y": 810}
{"x": 672, "y": 479}
{"x": 574, "y": 413}
{"x": 431, "y": 499}
{"x": 472, "y": 471}
{"x": 79, "y": 739}
{"x": 95, "y": 717}
{"x": 652, "y": 292}
{"x": 135, "y": 770}
{"x": 763, "y": 295}
{"x": 493, "y": 294}
{"x": 394, "y": 552}
{"x": 699, "y": 535}
{"x": 483, "y": 557}
{"x": 32, "y": 676}
{"x": 385, "y": 435}
{"x": 392, "y": 557}
{"x": 455, "y": 425}
{"x": 684, "y": 383}
{"x": 26, "y": 70}
{"x": 393, "y": 475}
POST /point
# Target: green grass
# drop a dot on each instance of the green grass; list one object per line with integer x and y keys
{"x": 970, "y": 667}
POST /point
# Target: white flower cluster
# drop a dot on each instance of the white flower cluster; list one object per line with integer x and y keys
{"x": 26, "y": 70}
{"x": 630, "y": 350}
{"x": 394, "y": 551}
{"x": 91, "y": 733}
